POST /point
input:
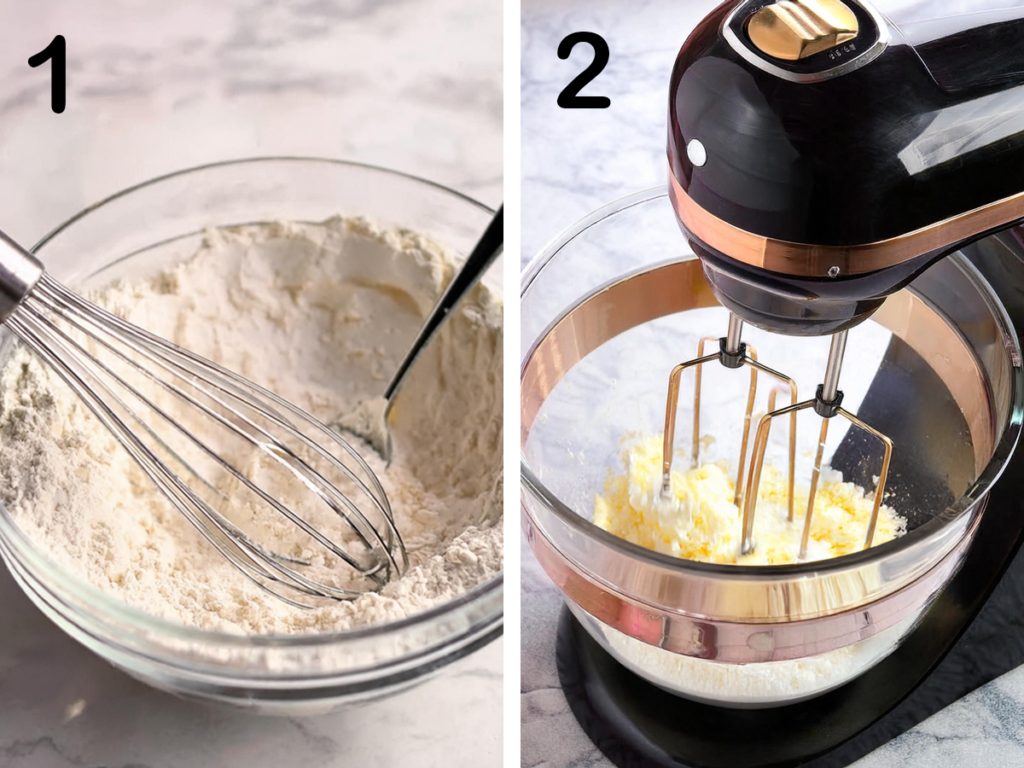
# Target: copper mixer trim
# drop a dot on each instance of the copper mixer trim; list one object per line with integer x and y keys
{"x": 807, "y": 260}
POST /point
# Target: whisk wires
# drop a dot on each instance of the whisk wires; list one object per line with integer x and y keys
{"x": 150, "y": 393}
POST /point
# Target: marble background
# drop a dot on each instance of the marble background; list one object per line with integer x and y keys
{"x": 158, "y": 86}
{"x": 574, "y": 161}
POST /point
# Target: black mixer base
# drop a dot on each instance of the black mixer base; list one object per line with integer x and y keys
{"x": 973, "y": 633}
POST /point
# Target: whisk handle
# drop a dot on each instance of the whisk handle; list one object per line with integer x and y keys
{"x": 19, "y": 273}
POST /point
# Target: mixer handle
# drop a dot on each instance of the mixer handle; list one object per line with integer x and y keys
{"x": 818, "y": 168}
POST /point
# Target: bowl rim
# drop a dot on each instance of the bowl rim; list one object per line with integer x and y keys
{"x": 180, "y": 631}
{"x": 1004, "y": 446}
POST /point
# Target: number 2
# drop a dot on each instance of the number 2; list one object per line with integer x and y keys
{"x": 569, "y": 98}
{"x": 56, "y": 52}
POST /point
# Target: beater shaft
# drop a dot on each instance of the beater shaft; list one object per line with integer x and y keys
{"x": 830, "y": 384}
{"x": 733, "y": 334}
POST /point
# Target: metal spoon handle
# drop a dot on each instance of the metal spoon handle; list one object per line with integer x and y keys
{"x": 487, "y": 249}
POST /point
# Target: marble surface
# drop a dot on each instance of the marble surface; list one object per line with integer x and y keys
{"x": 155, "y": 87}
{"x": 574, "y": 161}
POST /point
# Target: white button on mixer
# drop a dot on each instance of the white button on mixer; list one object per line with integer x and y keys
{"x": 696, "y": 152}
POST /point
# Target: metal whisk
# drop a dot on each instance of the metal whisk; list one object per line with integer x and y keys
{"x": 733, "y": 353}
{"x": 228, "y": 438}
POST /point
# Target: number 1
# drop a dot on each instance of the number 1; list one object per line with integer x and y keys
{"x": 56, "y": 52}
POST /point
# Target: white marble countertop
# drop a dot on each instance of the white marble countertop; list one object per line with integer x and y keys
{"x": 158, "y": 86}
{"x": 574, "y": 161}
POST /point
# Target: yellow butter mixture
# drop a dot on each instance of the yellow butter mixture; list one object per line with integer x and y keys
{"x": 700, "y": 521}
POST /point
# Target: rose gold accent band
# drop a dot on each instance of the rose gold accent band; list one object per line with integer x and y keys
{"x": 739, "y": 642}
{"x": 806, "y": 260}
{"x": 681, "y": 286}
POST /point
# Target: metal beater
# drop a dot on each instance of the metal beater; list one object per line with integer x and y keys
{"x": 149, "y": 393}
{"x": 827, "y": 404}
{"x": 733, "y": 353}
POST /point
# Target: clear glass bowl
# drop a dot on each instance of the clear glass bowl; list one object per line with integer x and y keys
{"x": 152, "y": 225}
{"x": 608, "y": 308}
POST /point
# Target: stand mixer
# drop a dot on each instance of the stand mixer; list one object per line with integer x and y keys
{"x": 821, "y": 158}
{"x": 824, "y": 156}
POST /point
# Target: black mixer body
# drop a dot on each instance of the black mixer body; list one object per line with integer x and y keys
{"x": 815, "y": 179}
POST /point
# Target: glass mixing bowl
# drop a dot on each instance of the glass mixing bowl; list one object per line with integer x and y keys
{"x": 608, "y": 309}
{"x": 155, "y": 224}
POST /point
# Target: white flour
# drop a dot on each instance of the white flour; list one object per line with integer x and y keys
{"x": 759, "y": 684}
{"x": 320, "y": 315}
